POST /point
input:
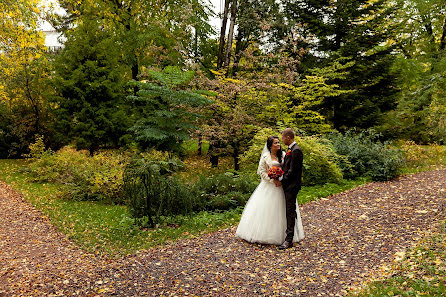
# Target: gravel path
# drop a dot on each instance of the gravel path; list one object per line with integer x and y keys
{"x": 350, "y": 236}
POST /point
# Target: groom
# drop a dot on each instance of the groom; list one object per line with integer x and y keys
{"x": 291, "y": 181}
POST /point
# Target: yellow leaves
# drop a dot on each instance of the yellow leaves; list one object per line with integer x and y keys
{"x": 438, "y": 261}
{"x": 20, "y": 42}
{"x": 283, "y": 85}
{"x": 216, "y": 72}
{"x": 421, "y": 211}
{"x": 399, "y": 256}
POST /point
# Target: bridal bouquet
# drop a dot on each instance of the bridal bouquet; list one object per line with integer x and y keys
{"x": 275, "y": 172}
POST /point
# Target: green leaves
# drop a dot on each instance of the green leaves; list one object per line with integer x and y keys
{"x": 167, "y": 115}
{"x": 350, "y": 30}
{"x": 89, "y": 83}
{"x": 421, "y": 69}
{"x": 172, "y": 76}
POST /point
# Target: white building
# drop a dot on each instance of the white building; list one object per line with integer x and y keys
{"x": 53, "y": 38}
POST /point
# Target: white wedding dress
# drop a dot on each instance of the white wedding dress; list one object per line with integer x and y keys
{"x": 264, "y": 217}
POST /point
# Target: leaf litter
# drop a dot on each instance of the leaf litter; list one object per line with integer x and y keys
{"x": 351, "y": 236}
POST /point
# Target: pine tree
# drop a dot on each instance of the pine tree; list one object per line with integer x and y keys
{"x": 89, "y": 82}
{"x": 358, "y": 30}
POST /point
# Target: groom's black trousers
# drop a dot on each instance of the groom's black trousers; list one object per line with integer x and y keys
{"x": 291, "y": 215}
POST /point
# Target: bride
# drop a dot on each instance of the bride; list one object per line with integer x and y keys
{"x": 264, "y": 218}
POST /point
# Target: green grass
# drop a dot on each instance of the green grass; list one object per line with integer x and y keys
{"x": 191, "y": 146}
{"x": 422, "y": 271}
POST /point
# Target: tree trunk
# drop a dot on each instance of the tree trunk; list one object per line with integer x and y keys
{"x": 92, "y": 149}
{"x": 235, "y": 156}
{"x": 200, "y": 141}
{"x": 34, "y": 102}
{"x": 230, "y": 35}
{"x": 240, "y": 46}
{"x": 214, "y": 161}
{"x": 213, "y": 155}
{"x": 221, "y": 47}
{"x": 196, "y": 46}
{"x": 135, "y": 70}
{"x": 336, "y": 121}
{"x": 443, "y": 37}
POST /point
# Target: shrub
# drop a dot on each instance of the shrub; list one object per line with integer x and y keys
{"x": 367, "y": 156}
{"x": 152, "y": 193}
{"x": 320, "y": 161}
{"x": 422, "y": 155}
{"x": 86, "y": 178}
{"x": 223, "y": 191}
{"x": 37, "y": 149}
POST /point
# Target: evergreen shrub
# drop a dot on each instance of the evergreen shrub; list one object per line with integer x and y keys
{"x": 367, "y": 155}
{"x": 223, "y": 191}
{"x": 152, "y": 193}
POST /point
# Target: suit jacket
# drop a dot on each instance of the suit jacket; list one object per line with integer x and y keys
{"x": 292, "y": 166}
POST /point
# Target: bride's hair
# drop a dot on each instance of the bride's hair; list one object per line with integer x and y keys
{"x": 269, "y": 144}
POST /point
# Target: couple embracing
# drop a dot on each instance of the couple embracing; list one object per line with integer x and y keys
{"x": 271, "y": 215}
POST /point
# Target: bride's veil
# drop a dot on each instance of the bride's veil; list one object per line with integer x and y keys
{"x": 265, "y": 152}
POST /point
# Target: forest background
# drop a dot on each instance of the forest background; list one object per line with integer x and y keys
{"x": 148, "y": 110}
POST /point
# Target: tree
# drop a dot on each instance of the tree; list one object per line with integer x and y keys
{"x": 229, "y": 123}
{"x": 356, "y": 29}
{"x": 23, "y": 69}
{"x": 155, "y": 33}
{"x": 421, "y": 65}
{"x": 258, "y": 22}
{"x": 221, "y": 46}
{"x": 231, "y": 32}
{"x": 267, "y": 92}
{"x": 165, "y": 101}
{"x": 89, "y": 82}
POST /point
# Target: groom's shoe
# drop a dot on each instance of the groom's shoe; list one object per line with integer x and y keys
{"x": 286, "y": 245}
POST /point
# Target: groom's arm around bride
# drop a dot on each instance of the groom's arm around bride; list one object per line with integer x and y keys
{"x": 291, "y": 180}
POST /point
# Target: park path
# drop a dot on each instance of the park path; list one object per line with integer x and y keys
{"x": 350, "y": 236}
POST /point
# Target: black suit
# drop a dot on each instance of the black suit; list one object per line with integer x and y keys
{"x": 291, "y": 182}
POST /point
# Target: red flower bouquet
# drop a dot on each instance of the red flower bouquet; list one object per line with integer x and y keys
{"x": 275, "y": 172}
